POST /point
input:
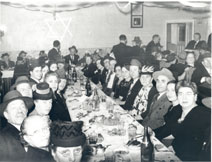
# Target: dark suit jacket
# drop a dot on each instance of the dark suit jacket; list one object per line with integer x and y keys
{"x": 152, "y": 46}
{"x": 121, "y": 53}
{"x": 89, "y": 70}
{"x": 190, "y": 134}
{"x": 37, "y": 155}
{"x": 59, "y": 109}
{"x": 11, "y": 148}
{"x": 191, "y": 44}
{"x": 198, "y": 73}
{"x": 131, "y": 97}
{"x": 73, "y": 61}
{"x": 54, "y": 55}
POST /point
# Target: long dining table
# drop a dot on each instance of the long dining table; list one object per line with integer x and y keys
{"x": 109, "y": 128}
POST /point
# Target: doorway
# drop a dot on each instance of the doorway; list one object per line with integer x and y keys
{"x": 178, "y": 35}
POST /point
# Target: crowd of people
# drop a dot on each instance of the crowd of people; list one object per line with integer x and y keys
{"x": 170, "y": 96}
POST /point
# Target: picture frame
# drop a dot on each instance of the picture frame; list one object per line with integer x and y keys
{"x": 137, "y": 15}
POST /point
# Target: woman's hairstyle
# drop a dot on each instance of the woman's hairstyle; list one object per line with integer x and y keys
{"x": 117, "y": 65}
{"x": 173, "y": 82}
{"x": 51, "y": 73}
{"x": 192, "y": 54}
{"x": 187, "y": 84}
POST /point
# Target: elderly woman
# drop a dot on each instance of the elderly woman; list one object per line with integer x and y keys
{"x": 190, "y": 126}
{"x": 35, "y": 134}
{"x": 67, "y": 141}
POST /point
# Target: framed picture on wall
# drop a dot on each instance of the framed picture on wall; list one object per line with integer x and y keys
{"x": 137, "y": 15}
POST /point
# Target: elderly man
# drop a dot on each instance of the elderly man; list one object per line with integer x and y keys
{"x": 160, "y": 103}
{"x": 43, "y": 99}
{"x": 67, "y": 141}
{"x": 154, "y": 45}
{"x": 14, "y": 108}
{"x": 35, "y": 135}
{"x": 23, "y": 86}
{"x": 196, "y": 43}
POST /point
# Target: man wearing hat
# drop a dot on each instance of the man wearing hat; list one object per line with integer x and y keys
{"x": 14, "y": 108}
{"x": 137, "y": 51}
{"x": 160, "y": 103}
{"x": 67, "y": 141}
{"x": 72, "y": 57}
{"x": 35, "y": 71}
{"x": 54, "y": 53}
{"x": 121, "y": 50}
{"x": 6, "y": 63}
{"x": 135, "y": 67}
{"x": 23, "y": 86}
{"x": 43, "y": 99}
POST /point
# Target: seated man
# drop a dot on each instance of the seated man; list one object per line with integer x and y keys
{"x": 67, "y": 141}
{"x": 72, "y": 58}
{"x": 35, "y": 71}
{"x": 160, "y": 103}
{"x": 35, "y": 135}
{"x": 14, "y": 108}
{"x": 23, "y": 86}
{"x": 43, "y": 99}
{"x": 135, "y": 87}
{"x": 196, "y": 43}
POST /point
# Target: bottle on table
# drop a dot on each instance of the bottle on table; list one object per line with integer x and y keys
{"x": 96, "y": 99}
{"x": 88, "y": 88}
{"x": 74, "y": 75}
{"x": 147, "y": 148}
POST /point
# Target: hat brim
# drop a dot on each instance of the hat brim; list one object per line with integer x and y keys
{"x": 28, "y": 102}
{"x": 69, "y": 142}
{"x": 37, "y": 96}
{"x": 158, "y": 73}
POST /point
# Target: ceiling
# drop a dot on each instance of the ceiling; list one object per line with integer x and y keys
{"x": 70, "y": 5}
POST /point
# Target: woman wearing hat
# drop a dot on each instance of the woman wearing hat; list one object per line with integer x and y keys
{"x": 43, "y": 99}
{"x": 14, "y": 108}
{"x": 67, "y": 141}
{"x": 144, "y": 98}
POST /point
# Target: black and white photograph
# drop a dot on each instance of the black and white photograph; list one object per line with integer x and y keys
{"x": 105, "y": 81}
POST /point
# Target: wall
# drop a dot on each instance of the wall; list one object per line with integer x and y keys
{"x": 95, "y": 27}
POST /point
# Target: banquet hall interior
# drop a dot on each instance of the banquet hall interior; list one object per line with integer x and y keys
{"x": 105, "y": 81}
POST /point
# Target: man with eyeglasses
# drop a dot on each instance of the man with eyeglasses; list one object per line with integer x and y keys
{"x": 35, "y": 135}
{"x": 67, "y": 141}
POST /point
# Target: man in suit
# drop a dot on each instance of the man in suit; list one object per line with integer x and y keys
{"x": 72, "y": 58}
{"x": 35, "y": 72}
{"x": 14, "y": 109}
{"x": 137, "y": 51}
{"x": 154, "y": 45}
{"x": 121, "y": 51}
{"x": 54, "y": 53}
{"x": 160, "y": 103}
{"x": 135, "y": 67}
{"x": 6, "y": 63}
{"x": 196, "y": 43}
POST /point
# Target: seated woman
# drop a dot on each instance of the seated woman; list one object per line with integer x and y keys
{"x": 6, "y": 63}
{"x": 89, "y": 68}
{"x": 173, "y": 114}
{"x": 184, "y": 71}
{"x": 144, "y": 98}
{"x": 124, "y": 85}
{"x": 67, "y": 141}
{"x": 35, "y": 135}
{"x": 59, "y": 110}
{"x": 190, "y": 126}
